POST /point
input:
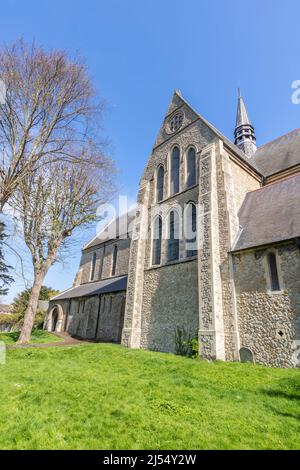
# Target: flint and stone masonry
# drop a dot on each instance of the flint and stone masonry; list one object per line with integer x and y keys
{"x": 239, "y": 294}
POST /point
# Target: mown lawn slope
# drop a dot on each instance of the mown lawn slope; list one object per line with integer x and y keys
{"x": 101, "y": 396}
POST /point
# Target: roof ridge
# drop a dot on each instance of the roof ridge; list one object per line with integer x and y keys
{"x": 274, "y": 182}
{"x": 278, "y": 138}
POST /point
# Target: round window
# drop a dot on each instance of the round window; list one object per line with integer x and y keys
{"x": 175, "y": 122}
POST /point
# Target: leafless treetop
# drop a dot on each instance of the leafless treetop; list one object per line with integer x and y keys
{"x": 50, "y": 113}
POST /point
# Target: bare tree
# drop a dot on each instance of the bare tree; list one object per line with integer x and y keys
{"x": 49, "y": 112}
{"x": 52, "y": 202}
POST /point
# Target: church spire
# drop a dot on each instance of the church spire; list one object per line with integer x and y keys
{"x": 244, "y": 131}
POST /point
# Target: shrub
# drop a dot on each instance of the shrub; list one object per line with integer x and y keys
{"x": 20, "y": 304}
{"x": 39, "y": 319}
{"x": 186, "y": 344}
{"x": 8, "y": 318}
{"x": 15, "y": 320}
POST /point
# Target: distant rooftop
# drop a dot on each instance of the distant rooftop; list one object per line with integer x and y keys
{"x": 114, "y": 284}
{"x": 5, "y": 308}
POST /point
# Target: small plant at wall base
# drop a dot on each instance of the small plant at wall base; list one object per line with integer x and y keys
{"x": 186, "y": 344}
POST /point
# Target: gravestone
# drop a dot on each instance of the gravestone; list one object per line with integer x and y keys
{"x": 246, "y": 355}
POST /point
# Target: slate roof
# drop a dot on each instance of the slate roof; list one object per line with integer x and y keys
{"x": 278, "y": 154}
{"x": 270, "y": 214}
{"x": 115, "y": 284}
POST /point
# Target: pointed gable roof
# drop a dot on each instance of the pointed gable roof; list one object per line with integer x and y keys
{"x": 176, "y": 104}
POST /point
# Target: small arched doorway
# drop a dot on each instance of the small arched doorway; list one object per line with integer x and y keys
{"x": 56, "y": 319}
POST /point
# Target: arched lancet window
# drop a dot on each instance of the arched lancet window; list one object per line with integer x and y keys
{"x": 274, "y": 278}
{"x": 191, "y": 167}
{"x": 173, "y": 241}
{"x": 93, "y": 266}
{"x": 157, "y": 236}
{"x": 114, "y": 261}
{"x": 175, "y": 165}
{"x": 191, "y": 230}
{"x": 160, "y": 183}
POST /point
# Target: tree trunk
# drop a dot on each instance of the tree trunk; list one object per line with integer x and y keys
{"x": 2, "y": 204}
{"x": 31, "y": 310}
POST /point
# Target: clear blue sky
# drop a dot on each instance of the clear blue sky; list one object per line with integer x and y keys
{"x": 139, "y": 51}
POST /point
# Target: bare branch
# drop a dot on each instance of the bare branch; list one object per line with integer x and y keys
{"x": 50, "y": 112}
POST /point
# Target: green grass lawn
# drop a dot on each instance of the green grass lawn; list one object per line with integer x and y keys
{"x": 100, "y": 396}
{"x": 37, "y": 336}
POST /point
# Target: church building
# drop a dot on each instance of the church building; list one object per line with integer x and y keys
{"x": 212, "y": 251}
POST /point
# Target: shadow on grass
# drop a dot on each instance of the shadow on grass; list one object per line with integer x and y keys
{"x": 286, "y": 388}
{"x": 284, "y": 414}
{"x": 37, "y": 336}
{"x": 282, "y": 394}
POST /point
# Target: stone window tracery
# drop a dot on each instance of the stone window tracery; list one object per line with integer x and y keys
{"x": 175, "y": 122}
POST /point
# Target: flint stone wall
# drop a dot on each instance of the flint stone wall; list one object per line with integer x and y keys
{"x": 268, "y": 322}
